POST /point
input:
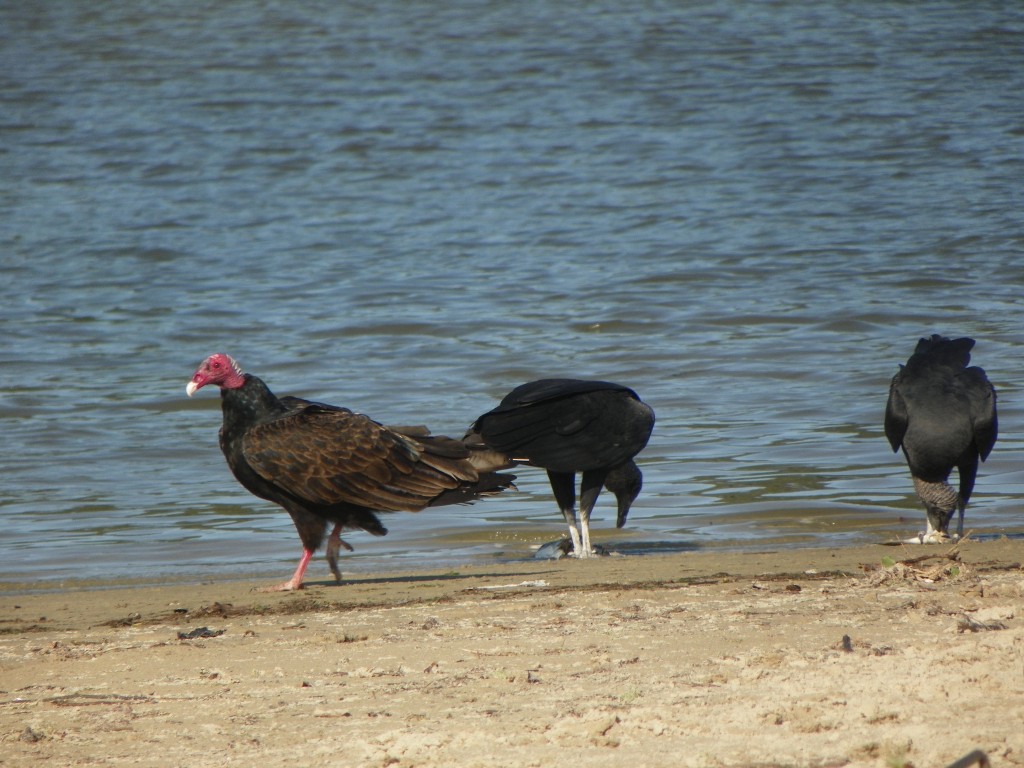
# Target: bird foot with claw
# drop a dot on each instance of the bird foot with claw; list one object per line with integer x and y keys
{"x": 556, "y": 550}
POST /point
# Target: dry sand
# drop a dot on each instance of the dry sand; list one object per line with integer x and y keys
{"x": 826, "y": 657}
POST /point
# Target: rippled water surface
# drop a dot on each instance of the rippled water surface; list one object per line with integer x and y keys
{"x": 749, "y": 212}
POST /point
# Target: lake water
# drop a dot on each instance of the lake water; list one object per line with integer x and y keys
{"x": 747, "y": 211}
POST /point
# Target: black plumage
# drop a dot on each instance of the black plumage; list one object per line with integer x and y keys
{"x": 942, "y": 413}
{"x": 570, "y": 426}
{"x": 329, "y": 465}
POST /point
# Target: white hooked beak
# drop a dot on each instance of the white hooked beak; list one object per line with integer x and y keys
{"x": 190, "y": 388}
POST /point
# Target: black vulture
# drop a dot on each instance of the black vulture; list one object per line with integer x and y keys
{"x": 943, "y": 414}
{"x": 570, "y": 426}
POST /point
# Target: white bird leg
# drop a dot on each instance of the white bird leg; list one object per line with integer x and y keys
{"x": 590, "y": 488}
{"x": 585, "y": 550}
{"x": 576, "y": 542}
{"x": 563, "y": 486}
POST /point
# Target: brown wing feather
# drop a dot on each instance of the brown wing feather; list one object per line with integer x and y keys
{"x": 337, "y": 456}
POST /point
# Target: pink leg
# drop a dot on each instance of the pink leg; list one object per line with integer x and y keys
{"x": 295, "y": 582}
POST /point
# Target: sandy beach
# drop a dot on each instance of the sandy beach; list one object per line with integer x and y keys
{"x": 819, "y": 657}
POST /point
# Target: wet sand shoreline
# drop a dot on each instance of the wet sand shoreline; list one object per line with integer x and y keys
{"x": 870, "y": 655}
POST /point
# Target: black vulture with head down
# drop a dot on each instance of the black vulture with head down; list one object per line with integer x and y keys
{"x": 570, "y": 426}
{"x": 942, "y": 413}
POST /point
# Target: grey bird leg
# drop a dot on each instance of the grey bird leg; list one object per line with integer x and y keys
{"x": 563, "y": 485}
{"x": 968, "y": 472}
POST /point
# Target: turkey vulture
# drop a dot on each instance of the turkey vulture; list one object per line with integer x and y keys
{"x": 326, "y": 464}
{"x": 943, "y": 415}
{"x": 567, "y": 426}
